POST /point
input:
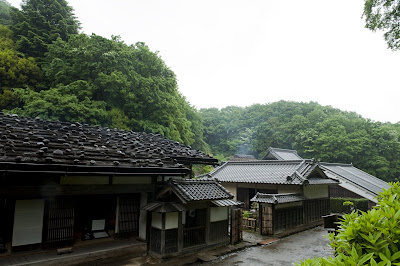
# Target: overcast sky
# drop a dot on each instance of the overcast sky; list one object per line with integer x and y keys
{"x": 227, "y": 52}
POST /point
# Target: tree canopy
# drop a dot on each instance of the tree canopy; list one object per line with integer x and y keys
{"x": 5, "y": 17}
{"x": 16, "y": 71}
{"x": 40, "y": 22}
{"x": 384, "y": 15}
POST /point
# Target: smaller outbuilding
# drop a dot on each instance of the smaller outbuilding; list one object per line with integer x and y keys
{"x": 189, "y": 215}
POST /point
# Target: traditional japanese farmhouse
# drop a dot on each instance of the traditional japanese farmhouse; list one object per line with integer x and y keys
{"x": 353, "y": 182}
{"x": 62, "y": 184}
{"x": 290, "y": 192}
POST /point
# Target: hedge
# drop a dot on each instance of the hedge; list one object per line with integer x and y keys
{"x": 338, "y": 207}
{"x": 367, "y": 238}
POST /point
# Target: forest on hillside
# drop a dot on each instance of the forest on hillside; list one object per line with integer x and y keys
{"x": 51, "y": 70}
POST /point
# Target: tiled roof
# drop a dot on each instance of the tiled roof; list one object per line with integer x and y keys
{"x": 281, "y": 154}
{"x": 162, "y": 207}
{"x": 242, "y": 157}
{"x": 227, "y": 202}
{"x": 277, "y": 198}
{"x": 34, "y": 141}
{"x": 197, "y": 190}
{"x": 351, "y": 175}
{"x": 264, "y": 172}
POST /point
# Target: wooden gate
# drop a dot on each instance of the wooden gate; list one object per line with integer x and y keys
{"x": 236, "y": 226}
{"x": 266, "y": 225}
{"x": 128, "y": 220}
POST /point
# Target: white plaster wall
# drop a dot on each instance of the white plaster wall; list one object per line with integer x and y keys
{"x": 143, "y": 216}
{"x": 156, "y": 220}
{"x": 231, "y": 187}
{"x": 118, "y": 180}
{"x": 218, "y": 214}
{"x": 171, "y": 220}
{"x": 28, "y": 222}
{"x": 316, "y": 191}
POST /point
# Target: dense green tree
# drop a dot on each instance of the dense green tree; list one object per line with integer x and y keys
{"x": 15, "y": 69}
{"x": 384, "y": 15}
{"x": 5, "y": 8}
{"x": 55, "y": 104}
{"x": 40, "y": 22}
{"x": 315, "y": 131}
{"x": 139, "y": 91}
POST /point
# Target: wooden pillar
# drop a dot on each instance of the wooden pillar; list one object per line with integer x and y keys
{"x": 180, "y": 232}
{"x": 260, "y": 216}
{"x": 148, "y": 229}
{"x": 207, "y": 227}
{"x": 163, "y": 233}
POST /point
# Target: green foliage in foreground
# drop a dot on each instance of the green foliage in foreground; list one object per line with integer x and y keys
{"x": 338, "y": 207}
{"x": 368, "y": 238}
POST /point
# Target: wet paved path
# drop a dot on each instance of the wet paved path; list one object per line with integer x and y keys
{"x": 307, "y": 244}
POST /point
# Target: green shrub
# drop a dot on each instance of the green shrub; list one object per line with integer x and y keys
{"x": 337, "y": 205}
{"x": 368, "y": 238}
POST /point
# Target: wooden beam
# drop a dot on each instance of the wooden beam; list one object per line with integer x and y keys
{"x": 70, "y": 190}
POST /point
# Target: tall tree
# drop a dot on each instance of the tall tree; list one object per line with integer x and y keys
{"x": 40, "y": 22}
{"x": 16, "y": 71}
{"x": 130, "y": 83}
{"x": 384, "y": 15}
{"x": 5, "y": 8}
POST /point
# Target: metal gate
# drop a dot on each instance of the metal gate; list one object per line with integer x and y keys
{"x": 236, "y": 226}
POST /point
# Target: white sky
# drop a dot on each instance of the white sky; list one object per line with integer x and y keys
{"x": 228, "y": 52}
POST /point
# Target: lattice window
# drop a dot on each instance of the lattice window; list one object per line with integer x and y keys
{"x": 129, "y": 210}
{"x": 155, "y": 240}
{"x": 171, "y": 241}
{"x": 60, "y": 224}
{"x": 315, "y": 209}
{"x": 219, "y": 231}
{"x": 287, "y": 218}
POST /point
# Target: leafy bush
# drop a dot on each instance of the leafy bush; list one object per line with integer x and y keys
{"x": 337, "y": 205}
{"x": 368, "y": 238}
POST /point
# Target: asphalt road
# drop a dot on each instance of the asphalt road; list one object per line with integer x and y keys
{"x": 286, "y": 251}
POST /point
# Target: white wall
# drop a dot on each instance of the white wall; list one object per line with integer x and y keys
{"x": 143, "y": 216}
{"x": 218, "y": 214}
{"x": 316, "y": 191}
{"x": 171, "y": 220}
{"x": 231, "y": 187}
{"x": 156, "y": 220}
{"x": 28, "y": 222}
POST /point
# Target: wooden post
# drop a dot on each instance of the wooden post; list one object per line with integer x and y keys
{"x": 180, "y": 232}
{"x": 207, "y": 225}
{"x": 163, "y": 233}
